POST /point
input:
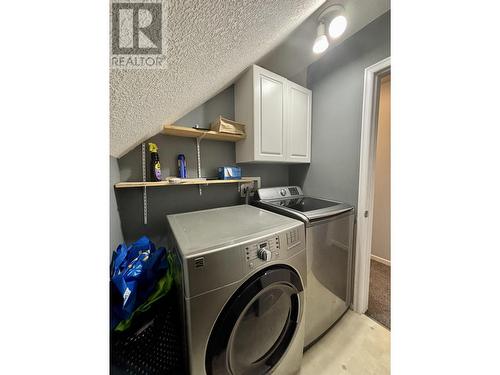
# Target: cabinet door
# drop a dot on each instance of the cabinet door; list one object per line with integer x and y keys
{"x": 298, "y": 124}
{"x": 269, "y": 115}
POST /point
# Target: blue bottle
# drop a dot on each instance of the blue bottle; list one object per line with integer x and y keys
{"x": 181, "y": 164}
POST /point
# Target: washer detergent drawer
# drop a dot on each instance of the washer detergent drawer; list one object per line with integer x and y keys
{"x": 329, "y": 249}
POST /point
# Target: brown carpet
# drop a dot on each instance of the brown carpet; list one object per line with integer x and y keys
{"x": 379, "y": 302}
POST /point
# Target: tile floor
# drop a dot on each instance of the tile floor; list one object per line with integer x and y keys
{"x": 356, "y": 345}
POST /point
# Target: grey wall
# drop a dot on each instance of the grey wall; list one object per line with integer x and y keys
{"x": 336, "y": 81}
{"x": 221, "y": 104}
{"x": 175, "y": 199}
{"x": 115, "y": 229}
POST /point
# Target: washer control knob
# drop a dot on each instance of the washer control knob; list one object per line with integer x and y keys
{"x": 282, "y": 192}
{"x": 264, "y": 254}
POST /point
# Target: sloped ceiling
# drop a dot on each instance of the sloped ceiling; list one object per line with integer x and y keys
{"x": 209, "y": 43}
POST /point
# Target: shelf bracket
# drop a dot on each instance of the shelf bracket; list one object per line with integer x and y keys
{"x": 144, "y": 189}
{"x": 198, "y": 159}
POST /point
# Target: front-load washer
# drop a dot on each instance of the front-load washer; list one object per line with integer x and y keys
{"x": 243, "y": 280}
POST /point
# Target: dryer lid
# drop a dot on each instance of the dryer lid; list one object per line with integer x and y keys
{"x": 307, "y": 209}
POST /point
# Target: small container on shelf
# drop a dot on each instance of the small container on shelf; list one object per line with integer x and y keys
{"x": 229, "y": 173}
{"x": 224, "y": 125}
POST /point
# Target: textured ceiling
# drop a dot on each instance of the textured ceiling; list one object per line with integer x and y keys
{"x": 209, "y": 43}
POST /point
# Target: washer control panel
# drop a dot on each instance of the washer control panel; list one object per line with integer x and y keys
{"x": 279, "y": 192}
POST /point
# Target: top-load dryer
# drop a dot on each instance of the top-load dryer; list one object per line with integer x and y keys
{"x": 243, "y": 280}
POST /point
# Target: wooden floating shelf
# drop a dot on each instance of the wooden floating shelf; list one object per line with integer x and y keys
{"x": 192, "y": 181}
{"x": 182, "y": 131}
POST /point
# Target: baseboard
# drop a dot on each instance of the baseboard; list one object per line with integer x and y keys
{"x": 381, "y": 260}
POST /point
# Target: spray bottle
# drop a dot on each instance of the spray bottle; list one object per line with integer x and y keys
{"x": 155, "y": 163}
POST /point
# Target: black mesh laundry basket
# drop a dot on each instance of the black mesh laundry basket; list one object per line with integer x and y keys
{"x": 153, "y": 344}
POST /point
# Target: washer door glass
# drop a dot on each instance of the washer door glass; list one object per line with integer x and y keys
{"x": 257, "y": 326}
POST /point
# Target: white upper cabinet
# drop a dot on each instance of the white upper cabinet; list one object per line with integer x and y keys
{"x": 299, "y": 124}
{"x": 277, "y": 115}
{"x": 270, "y": 109}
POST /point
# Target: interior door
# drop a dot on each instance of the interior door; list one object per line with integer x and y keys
{"x": 270, "y": 114}
{"x": 257, "y": 325}
{"x": 299, "y": 124}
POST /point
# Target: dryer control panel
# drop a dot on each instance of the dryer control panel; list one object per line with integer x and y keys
{"x": 273, "y": 248}
{"x": 213, "y": 269}
{"x": 264, "y": 250}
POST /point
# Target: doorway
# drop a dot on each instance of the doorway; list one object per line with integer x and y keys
{"x": 379, "y": 295}
{"x": 373, "y": 81}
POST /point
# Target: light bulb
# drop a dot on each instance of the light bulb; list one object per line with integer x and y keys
{"x": 320, "y": 44}
{"x": 337, "y": 26}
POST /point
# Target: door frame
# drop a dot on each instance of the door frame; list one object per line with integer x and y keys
{"x": 369, "y": 125}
